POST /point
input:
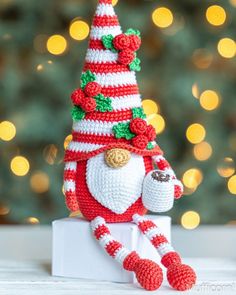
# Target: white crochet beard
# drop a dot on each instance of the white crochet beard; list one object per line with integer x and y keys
{"x": 115, "y": 188}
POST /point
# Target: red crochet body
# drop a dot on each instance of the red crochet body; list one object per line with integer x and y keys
{"x": 90, "y": 208}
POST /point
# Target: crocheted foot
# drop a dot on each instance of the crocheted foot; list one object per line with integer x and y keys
{"x": 181, "y": 276}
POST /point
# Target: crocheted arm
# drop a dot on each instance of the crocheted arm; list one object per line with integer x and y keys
{"x": 164, "y": 165}
{"x": 69, "y": 186}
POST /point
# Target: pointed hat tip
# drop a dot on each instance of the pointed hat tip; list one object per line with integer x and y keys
{"x": 105, "y": 1}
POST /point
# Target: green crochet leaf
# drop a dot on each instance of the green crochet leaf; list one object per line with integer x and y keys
{"x": 77, "y": 113}
{"x": 103, "y": 103}
{"x": 87, "y": 77}
{"x": 133, "y": 32}
{"x": 135, "y": 65}
{"x": 108, "y": 42}
{"x": 138, "y": 113}
{"x": 150, "y": 146}
{"x": 121, "y": 130}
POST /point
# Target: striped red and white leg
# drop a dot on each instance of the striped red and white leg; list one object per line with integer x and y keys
{"x": 180, "y": 276}
{"x": 148, "y": 273}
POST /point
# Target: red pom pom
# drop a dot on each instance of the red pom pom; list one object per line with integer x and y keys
{"x": 181, "y": 276}
{"x": 77, "y": 96}
{"x": 150, "y": 133}
{"x": 140, "y": 141}
{"x": 126, "y": 57}
{"x": 178, "y": 192}
{"x": 88, "y": 104}
{"x": 121, "y": 42}
{"x": 135, "y": 42}
{"x": 138, "y": 126}
{"x": 148, "y": 274}
{"x": 92, "y": 89}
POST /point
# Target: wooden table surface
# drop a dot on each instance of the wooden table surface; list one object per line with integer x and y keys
{"x": 215, "y": 276}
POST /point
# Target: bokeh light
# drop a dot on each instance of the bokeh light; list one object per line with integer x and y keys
{"x": 227, "y": 48}
{"x": 67, "y": 141}
{"x": 32, "y": 220}
{"x": 232, "y": 185}
{"x": 7, "y": 130}
{"x": 233, "y": 2}
{"x": 226, "y": 167}
{"x": 39, "y": 182}
{"x": 56, "y": 44}
{"x": 192, "y": 178}
{"x": 50, "y": 154}
{"x": 150, "y": 107}
{"x": 195, "y": 133}
{"x": 158, "y": 122}
{"x": 215, "y": 15}
{"x": 202, "y": 151}
{"x": 202, "y": 58}
{"x": 195, "y": 90}
{"x": 39, "y": 67}
{"x": 79, "y": 30}
{"x": 162, "y": 17}
{"x": 209, "y": 100}
{"x": 20, "y": 166}
{"x": 4, "y": 210}
{"x": 190, "y": 220}
{"x": 75, "y": 214}
{"x": 114, "y": 2}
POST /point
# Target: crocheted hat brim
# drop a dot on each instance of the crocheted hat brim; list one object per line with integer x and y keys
{"x": 76, "y": 156}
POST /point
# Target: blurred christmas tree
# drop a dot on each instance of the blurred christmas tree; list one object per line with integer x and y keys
{"x": 188, "y": 69}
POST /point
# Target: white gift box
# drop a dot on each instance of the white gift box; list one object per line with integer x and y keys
{"x": 77, "y": 254}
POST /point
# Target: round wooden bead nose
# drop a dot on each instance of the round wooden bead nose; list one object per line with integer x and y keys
{"x": 117, "y": 158}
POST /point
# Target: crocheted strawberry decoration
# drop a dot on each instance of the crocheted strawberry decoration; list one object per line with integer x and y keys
{"x": 89, "y": 98}
{"x": 126, "y": 45}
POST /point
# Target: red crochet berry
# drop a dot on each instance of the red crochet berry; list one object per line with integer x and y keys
{"x": 181, "y": 276}
{"x": 77, "y": 96}
{"x": 148, "y": 274}
{"x": 140, "y": 141}
{"x": 92, "y": 89}
{"x": 88, "y": 104}
{"x": 138, "y": 126}
{"x": 178, "y": 192}
{"x": 126, "y": 57}
{"x": 150, "y": 133}
{"x": 135, "y": 42}
{"x": 121, "y": 42}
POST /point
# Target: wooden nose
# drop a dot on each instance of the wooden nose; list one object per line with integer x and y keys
{"x": 117, "y": 158}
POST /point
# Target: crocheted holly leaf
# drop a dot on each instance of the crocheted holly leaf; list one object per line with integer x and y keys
{"x": 135, "y": 65}
{"x": 103, "y": 103}
{"x": 121, "y": 130}
{"x": 77, "y": 113}
{"x": 133, "y": 32}
{"x": 108, "y": 42}
{"x": 150, "y": 146}
{"x": 87, "y": 77}
{"x": 138, "y": 113}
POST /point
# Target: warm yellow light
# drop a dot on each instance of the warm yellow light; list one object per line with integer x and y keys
{"x": 209, "y": 100}
{"x": 114, "y": 2}
{"x": 195, "y": 133}
{"x": 50, "y": 154}
{"x": 39, "y": 182}
{"x": 56, "y": 44}
{"x": 67, "y": 141}
{"x": 20, "y": 166}
{"x": 190, "y": 220}
{"x": 4, "y": 210}
{"x": 232, "y": 185}
{"x": 195, "y": 90}
{"x": 75, "y": 214}
{"x": 227, "y": 47}
{"x": 158, "y": 122}
{"x": 32, "y": 220}
{"x": 202, "y": 151}
{"x": 232, "y": 2}
{"x": 79, "y": 30}
{"x": 226, "y": 167}
{"x": 150, "y": 107}
{"x": 7, "y": 131}
{"x": 216, "y": 15}
{"x": 162, "y": 17}
{"x": 192, "y": 178}
{"x": 189, "y": 191}
{"x": 39, "y": 67}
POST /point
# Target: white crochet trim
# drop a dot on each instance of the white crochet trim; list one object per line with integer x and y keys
{"x": 152, "y": 232}
{"x": 69, "y": 185}
{"x": 116, "y": 79}
{"x": 100, "y": 56}
{"x": 98, "y": 32}
{"x": 70, "y": 166}
{"x": 83, "y": 146}
{"x": 95, "y": 127}
{"x": 95, "y": 223}
{"x": 105, "y": 9}
{"x": 126, "y": 102}
{"x": 116, "y": 189}
{"x": 121, "y": 254}
{"x": 165, "y": 248}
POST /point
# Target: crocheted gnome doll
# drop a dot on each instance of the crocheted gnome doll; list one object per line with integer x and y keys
{"x": 109, "y": 165}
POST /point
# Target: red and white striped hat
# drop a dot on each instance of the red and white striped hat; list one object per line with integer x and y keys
{"x": 107, "y": 109}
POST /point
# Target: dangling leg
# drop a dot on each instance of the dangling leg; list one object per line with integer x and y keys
{"x": 148, "y": 273}
{"x": 180, "y": 276}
